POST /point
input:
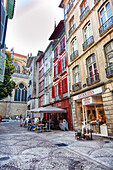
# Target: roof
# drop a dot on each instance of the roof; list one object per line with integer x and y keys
{"x": 20, "y": 55}
{"x": 61, "y": 4}
{"x": 57, "y": 30}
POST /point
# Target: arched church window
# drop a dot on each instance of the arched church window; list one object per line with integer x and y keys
{"x": 20, "y": 93}
{"x": 17, "y": 67}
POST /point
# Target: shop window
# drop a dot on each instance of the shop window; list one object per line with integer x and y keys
{"x": 109, "y": 58}
{"x": 92, "y": 70}
{"x": 71, "y": 25}
{"x": 74, "y": 51}
{"x": 76, "y": 74}
{"x": 20, "y": 93}
{"x": 106, "y": 18}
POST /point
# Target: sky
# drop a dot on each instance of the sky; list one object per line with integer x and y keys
{"x": 32, "y": 25}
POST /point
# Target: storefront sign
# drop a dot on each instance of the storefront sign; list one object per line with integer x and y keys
{"x": 88, "y": 93}
{"x": 87, "y": 101}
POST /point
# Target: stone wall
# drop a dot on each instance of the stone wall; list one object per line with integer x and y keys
{"x": 12, "y": 108}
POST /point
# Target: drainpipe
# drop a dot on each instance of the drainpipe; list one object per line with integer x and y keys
{"x": 72, "y": 115}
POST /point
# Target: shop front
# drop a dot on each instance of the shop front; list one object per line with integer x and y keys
{"x": 90, "y": 111}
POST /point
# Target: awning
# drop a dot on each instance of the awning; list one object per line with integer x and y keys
{"x": 48, "y": 109}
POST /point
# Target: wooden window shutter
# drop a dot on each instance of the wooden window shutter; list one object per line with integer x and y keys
{"x": 53, "y": 91}
{"x": 65, "y": 61}
{"x": 66, "y": 84}
{"x": 59, "y": 88}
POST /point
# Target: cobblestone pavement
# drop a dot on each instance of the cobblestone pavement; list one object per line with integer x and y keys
{"x": 21, "y": 149}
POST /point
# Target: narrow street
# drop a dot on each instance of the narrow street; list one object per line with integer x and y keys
{"x": 22, "y": 149}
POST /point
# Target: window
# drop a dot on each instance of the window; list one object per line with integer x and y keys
{"x": 105, "y": 13}
{"x": 92, "y": 69}
{"x": 20, "y": 93}
{"x": 87, "y": 31}
{"x": 84, "y": 6}
{"x": 17, "y": 67}
{"x": 55, "y": 71}
{"x": 71, "y": 24}
{"x": 56, "y": 90}
{"x": 62, "y": 44}
{"x": 63, "y": 63}
{"x": 76, "y": 74}
{"x": 41, "y": 86}
{"x": 109, "y": 53}
{"x": 55, "y": 52}
{"x": 74, "y": 45}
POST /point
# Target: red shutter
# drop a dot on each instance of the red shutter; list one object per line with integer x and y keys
{"x": 60, "y": 65}
{"x": 54, "y": 71}
{"x": 53, "y": 91}
{"x": 59, "y": 89}
{"x": 65, "y": 61}
{"x": 66, "y": 84}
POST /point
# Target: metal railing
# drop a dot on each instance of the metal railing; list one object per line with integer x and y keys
{"x": 109, "y": 71}
{"x": 73, "y": 55}
{"x": 106, "y": 25}
{"x": 61, "y": 49}
{"x": 84, "y": 12}
{"x": 93, "y": 79}
{"x": 71, "y": 29}
{"x": 89, "y": 41}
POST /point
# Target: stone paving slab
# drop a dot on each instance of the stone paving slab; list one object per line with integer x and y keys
{"x": 21, "y": 149}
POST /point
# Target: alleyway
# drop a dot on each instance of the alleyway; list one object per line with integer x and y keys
{"x": 25, "y": 150}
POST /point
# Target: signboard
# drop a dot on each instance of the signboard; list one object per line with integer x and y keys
{"x": 87, "y": 101}
{"x": 88, "y": 94}
{"x": 2, "y": 66}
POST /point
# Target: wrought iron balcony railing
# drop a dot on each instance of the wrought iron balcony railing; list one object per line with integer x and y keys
{"x": 71, "y": 29}
{"x": 73, "y": 55}
{"x": 106, "y": 25}
{"x": 109, "y": 71}
{"x": 93, "y": 79}
{"x": 84, "y": 12}
{"x": 88, "y": 42}
{"x": 76, "y": 86}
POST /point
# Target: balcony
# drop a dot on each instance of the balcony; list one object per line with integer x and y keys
{"x": 84, "y": 12}
{"x": 106, "y": 25}
{"x": 92, "y": 79}
{"x": 70, "y": 6}
{"x": 71, "y": 29}
{"x": 76, "y": 86}
{"x": 88, "y": 42}
{"x": 73, "y": 55}
{"x": 109, "y": 71}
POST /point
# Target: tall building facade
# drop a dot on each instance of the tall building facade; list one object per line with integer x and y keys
{"x": 60, "y": 88}
{"x": 89, "y": 32}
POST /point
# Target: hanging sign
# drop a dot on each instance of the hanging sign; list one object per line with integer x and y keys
{"x": 87, "y": 101}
